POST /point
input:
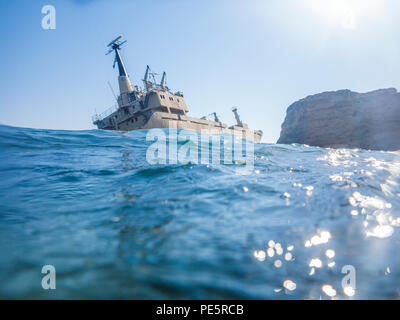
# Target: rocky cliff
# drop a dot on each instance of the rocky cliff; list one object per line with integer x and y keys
{"x": 345, "y": 119}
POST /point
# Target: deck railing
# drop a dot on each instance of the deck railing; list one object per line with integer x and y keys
{"x": 104, "y": 114}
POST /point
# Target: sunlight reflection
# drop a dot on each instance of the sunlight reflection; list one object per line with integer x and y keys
{"x": 321, "y": 238}
{"x": 328, "y": 290}
{"x": 381, "y": 231}
{"x": 289, "y": 285}
{"x": 278, "y": 263}
{"x": 349, "y": 291}
{"x": 317, "y": 263}
{"x": 288, "y": 256}
{"x": 260, "y": 255}
{"x": 330, "y": 253}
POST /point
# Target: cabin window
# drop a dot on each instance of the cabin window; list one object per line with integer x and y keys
{"x": 170, "y": 98}
{"x": 163, "y": 109}
{"x": 177, "y": 100}
{"x": 132, "y": 96}
{"x": 176, "y": 111}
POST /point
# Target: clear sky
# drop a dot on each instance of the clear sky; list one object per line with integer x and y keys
{"x": 259, "y": 55}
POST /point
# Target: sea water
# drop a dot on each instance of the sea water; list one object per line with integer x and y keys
{"x": 305, "y": 223}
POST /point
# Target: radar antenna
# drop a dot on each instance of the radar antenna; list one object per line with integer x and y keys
{"x": 115, "y": 46}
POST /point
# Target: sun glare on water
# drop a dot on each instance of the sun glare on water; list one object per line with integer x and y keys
{"x": 343, "y": 13}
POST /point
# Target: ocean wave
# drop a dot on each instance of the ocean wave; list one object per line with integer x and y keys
{"x": 115, "y": 226}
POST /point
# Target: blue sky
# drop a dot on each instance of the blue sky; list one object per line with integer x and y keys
{"x": 259, "y": 55}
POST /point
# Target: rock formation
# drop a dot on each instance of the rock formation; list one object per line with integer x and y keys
{"x": 345, "y": 119}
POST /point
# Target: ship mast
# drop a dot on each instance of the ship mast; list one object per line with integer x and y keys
{"x": 125, "y": 85}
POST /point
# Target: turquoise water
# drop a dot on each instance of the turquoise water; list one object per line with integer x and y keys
{"x": 114, "y": 226}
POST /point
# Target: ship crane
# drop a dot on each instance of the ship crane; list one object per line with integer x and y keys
{"x": 153, "y": 84}
{"x": 163, "y": 80}
{"x": 147, "y": 83}
{"x": 239, "y": 122}
{"x": 216, "y": 119}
